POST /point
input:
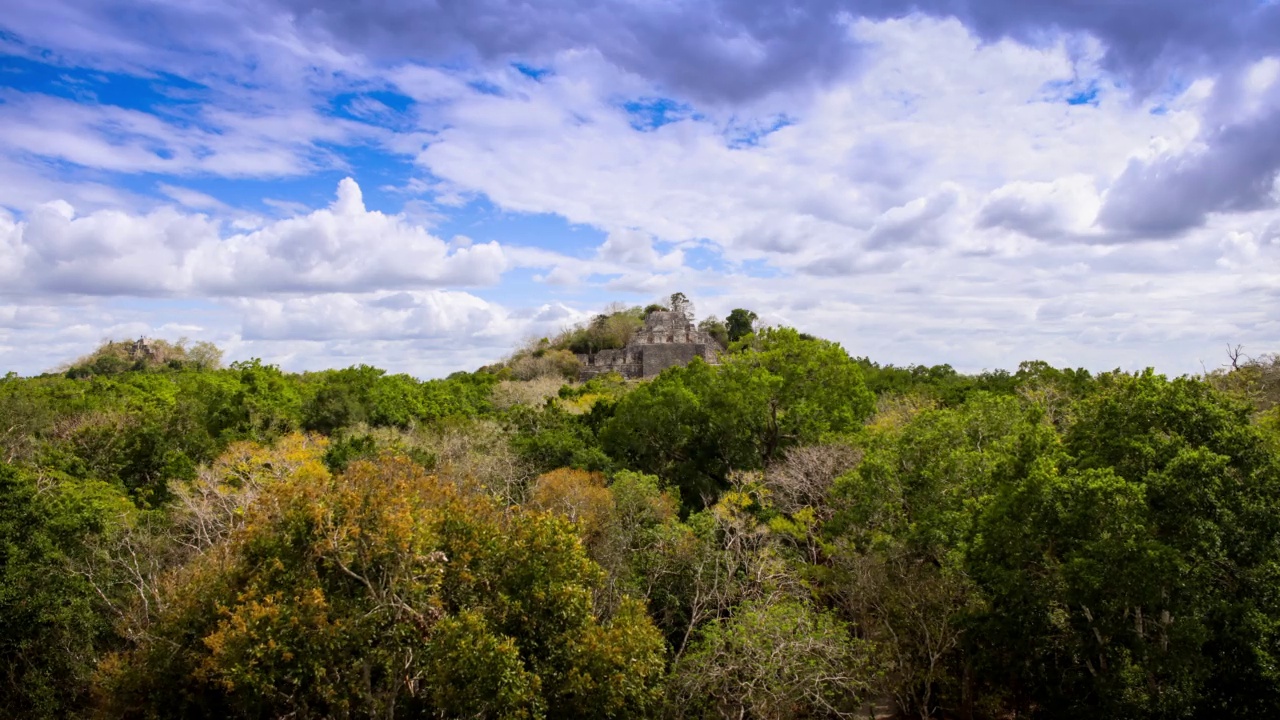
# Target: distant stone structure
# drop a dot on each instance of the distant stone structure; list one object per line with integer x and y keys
{"x": 142, "y": 349}
{"x": 668, "y": 338}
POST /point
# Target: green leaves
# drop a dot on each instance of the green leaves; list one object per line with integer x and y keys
{"x": 1043, "y": 543}
{"x": 52, "y": 617}
{"x": 692, "y": 425}
{"x": 739, "y": 324}
{"x": 1112, "y": 550}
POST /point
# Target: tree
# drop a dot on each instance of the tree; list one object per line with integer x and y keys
{"x": 739, "y": 324}
{"x": 772, "y": 660}
{"x": 681, "y": 305}
{"x": 1211, "y": 491}
{"x": 898, "y": 526}
{"x": 606, "y": 331}
{"x": 788, "y": 390}
{"x": 577, "y": 495}
{"x": 1088, "y": 611}
{"x": 716, "y": 329}
{"x": 385, "y": 591}
{"x": 1114, "y": 562}
{"x": 693, "y": 424}
{"x": 53, "y": 623}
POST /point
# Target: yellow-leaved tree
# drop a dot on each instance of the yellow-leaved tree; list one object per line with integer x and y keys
{"x": 386, "y": 592}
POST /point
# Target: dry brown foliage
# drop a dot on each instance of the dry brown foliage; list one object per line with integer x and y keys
{"x": 1253, "y": 379}
{"x": 804, "y": 475}
{"x": 153, "y": 352}
{"x": 509, "y": 393}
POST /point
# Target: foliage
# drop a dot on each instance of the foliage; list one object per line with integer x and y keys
{"x": 681, "y": 305}
{"x": 115, "y": 357}
{"x": 739, "y": 324}
{"x": 53, "y": 623}
{"x": 557, "y": 364}
{"x": 606, "y": 331}
{"x": 772, "y": 660}
{"x": 577, "y": 495}
{"x": 380, "y": 589}
{"x": 550, "y": 438}
{"x": 692, "y": 425}
{"x": 1254, "y": 380}
{"x": 716, "y": 328}
{"x": 339, "y": 399}
{"x": 791, "y": 533}
{"x": 1093, "y": 572}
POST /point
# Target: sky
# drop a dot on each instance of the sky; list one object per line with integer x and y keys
{"x": 423, "y": 185}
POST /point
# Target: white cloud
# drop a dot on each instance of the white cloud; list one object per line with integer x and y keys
{"x": 191, "y": 198}
{"x": 242, "y": 142}
{"x": 635, "y": 248}
{"x": 937, "y": 202}
{"x": 932, "y": 106}
{"x": 341, "y": 248}
{"x": 437, "y": 314}
{"x": 427, "y": 333}
{"x": 1064, "y": 209}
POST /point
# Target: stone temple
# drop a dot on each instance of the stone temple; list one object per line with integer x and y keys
{"x": 668, "y": 339}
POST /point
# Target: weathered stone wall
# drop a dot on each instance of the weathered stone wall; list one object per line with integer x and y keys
{"x": 667, "y": 339}
{"x": 625, "y": 362}
{"x": 660, "y": 357}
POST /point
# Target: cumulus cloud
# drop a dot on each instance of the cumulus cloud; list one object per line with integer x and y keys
{"x": 635, "y": 248}
{"x": 1232, "y": 168}
{"x": 440, "y": 315}
{"x": 344, "y": 247}
{"x": 727, "y": 55}
{"x": 1063, "y": 209}
{"x": 401, "y": 316}
{"x": 917, "y": 223}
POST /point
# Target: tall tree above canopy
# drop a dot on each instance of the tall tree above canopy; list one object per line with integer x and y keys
{"x": 682, "y": 304}
{"x": 739, "y": 323}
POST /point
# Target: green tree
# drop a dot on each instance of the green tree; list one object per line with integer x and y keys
{"x": 1114, "y": 562}
{"x": 787, "y": 390}
{"x": 53, "y": 621}
{"x": 739, "y": 324}
{"x": 900, "y": 524}
{"x": 1088, "y": 613}
{"x": 693, "y": 424}
{"x": 1211, "y": 484}
{"x": 681, "y": 305}
{"x": 716, "y": 329}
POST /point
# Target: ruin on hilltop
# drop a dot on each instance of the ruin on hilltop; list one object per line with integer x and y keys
{"x": 668, "y": 338}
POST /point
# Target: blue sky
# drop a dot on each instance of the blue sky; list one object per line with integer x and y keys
{"x": 425, "y": 186}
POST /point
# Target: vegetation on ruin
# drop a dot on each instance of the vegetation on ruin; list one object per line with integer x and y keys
{"x": 611, "y": 330}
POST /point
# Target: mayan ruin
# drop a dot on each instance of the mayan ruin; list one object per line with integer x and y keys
{"x": 668, "y": 338}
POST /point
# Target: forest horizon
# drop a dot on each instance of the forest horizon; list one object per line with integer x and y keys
{"x": 785, "y": 532}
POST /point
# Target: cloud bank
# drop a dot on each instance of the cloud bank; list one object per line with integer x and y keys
{"x": 966, "y": 181}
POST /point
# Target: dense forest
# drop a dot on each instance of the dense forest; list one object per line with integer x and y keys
{"x": 794, "y": 532}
